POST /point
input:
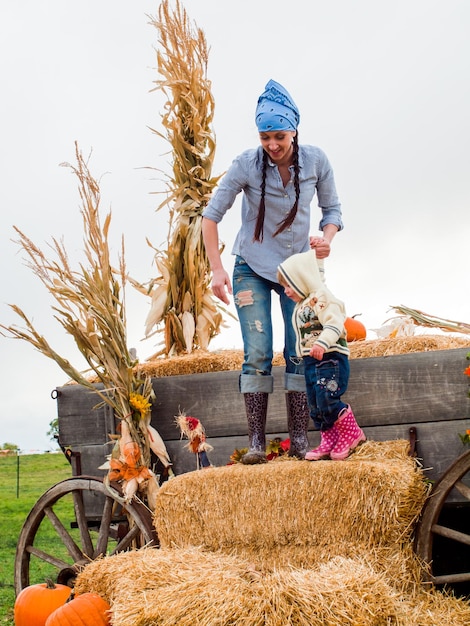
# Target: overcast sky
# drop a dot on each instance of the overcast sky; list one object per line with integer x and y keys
{"x": 383, "y": 88}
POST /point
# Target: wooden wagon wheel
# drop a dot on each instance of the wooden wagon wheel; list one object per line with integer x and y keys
{"x": 60, "y": 514}
{"x": 429, "y": 526}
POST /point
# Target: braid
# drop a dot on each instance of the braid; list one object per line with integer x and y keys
{"x": 293, "y": 212}
{"x": 258, "y": 236}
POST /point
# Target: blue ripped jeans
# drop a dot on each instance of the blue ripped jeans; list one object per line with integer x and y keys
{"x": 326, "y": 380}
{"x": 252, "y": 297}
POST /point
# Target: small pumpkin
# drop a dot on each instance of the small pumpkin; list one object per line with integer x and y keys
{"x": 355, "y": 330}
{"x": 35, "y": 603}
{"x": 87, "y": 609}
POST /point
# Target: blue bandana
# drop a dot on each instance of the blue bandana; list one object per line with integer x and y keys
{"x": 276, "y": 110}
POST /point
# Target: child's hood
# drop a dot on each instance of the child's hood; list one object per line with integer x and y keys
{"x": 301, "y": 272}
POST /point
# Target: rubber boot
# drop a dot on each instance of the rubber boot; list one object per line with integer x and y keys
{"x": 256, "y": 406}
{"x": 350, "y": 435}
{"x": 328, "y": 441}
{"x": 298, "y": 417}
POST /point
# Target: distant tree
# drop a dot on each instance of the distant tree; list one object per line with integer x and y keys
{"x": 53, "y": 432}
{"x": 9, "y": 446}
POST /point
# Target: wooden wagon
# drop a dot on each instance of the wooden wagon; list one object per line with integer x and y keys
{"x": 421, "y": 397}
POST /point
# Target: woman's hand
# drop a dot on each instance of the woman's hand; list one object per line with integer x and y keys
{"x": 220, "y": 279}
{"x": 322, "y": 245}
{"x": 221, "y": 285}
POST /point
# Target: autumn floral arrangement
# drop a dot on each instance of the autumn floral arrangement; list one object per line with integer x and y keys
{"x": 465, "y": 437}
{"x": 276, "y": 447}
{"x": 192, "y": 428}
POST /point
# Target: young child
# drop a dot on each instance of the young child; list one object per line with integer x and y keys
{"x": 318, "y": 321}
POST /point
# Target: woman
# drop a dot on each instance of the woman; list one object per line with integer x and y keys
{"x": 279, "y": 180}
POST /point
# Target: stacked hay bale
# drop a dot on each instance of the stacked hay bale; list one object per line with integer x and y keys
{"x": 291, "y": 513}
{"x": 288, "y": 542}
{"x": 202, "y": 361}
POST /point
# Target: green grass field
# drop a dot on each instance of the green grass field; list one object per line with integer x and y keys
{"x": 23, "y": 480}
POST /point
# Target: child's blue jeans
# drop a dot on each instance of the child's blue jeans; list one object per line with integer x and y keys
{"x": 326, "y": 381}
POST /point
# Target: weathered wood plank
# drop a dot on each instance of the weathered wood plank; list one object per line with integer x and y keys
{"x": 438, "y": 446}
{"x": 81, "y": 421}
{"x": 213, "y": 398}
{"x": 418, "y": 387}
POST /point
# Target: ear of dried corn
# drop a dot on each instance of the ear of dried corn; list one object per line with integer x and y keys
{"x": 90, "y": 306}
{"x": 188, "y": 313}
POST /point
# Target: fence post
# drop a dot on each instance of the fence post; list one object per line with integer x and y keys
{"x": 17, "y": 473}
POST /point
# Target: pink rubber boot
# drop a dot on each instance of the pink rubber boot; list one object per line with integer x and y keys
{"x": 328, "y": 441}
{"x": 350, "y": 435}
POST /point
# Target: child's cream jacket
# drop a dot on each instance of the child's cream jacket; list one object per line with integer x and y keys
{"x": 319, "y": 317}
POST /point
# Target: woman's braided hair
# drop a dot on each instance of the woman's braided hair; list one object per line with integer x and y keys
{"x": 258, "y": 236}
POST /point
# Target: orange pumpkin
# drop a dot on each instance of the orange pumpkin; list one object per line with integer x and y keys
{"x": 35, "y": 603}
{"x": 355, "y": 330}
{"x": 87, "y": 609}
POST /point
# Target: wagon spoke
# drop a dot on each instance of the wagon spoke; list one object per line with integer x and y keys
{"x": 82, "y": 523}
{"x": 126, "y": 542}
{"x": 103, "y": 535}
{"x": 463, "y": 489}
{"x": 449, "y": 533}
{"x": 449, "y": 579}
{"x": 48, "y": 558}
{"x": 66, "y": 539}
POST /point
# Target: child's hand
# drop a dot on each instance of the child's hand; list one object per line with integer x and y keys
{"x": 321, "y": 246}
{"x": 317, "y": 351}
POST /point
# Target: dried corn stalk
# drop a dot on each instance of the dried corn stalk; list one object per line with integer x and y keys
{"x": 424, "y": 319}
{"x": 90, "y": 306}
{"x": 180, "y": 296}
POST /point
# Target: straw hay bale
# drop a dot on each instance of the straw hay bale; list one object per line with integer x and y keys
{"x": 168, "y": 587}
{"x": 204, "y": 361}
{"x": 437, "y": 608}
{"x": 406, "y": 345}
{"x": 306, "y": 598}
{"x": 238, "y": 549}
{"x": 198, "y": 362}
{"x": 397, "y": 563}
{"x": 370, "y": 500}
{"x": 186, "y": 587}
{"x": 394, "y": 450}
{"x": 343, "y": 591}
{"x": 146, "y": 568}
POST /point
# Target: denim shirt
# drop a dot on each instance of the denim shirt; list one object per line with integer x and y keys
{"x": 245, "y": 173}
